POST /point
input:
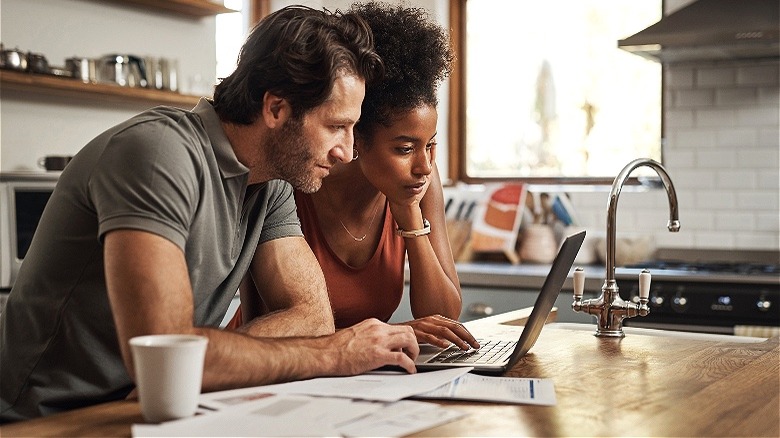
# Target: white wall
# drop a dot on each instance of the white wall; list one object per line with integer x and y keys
{"x": 34, "y": 125}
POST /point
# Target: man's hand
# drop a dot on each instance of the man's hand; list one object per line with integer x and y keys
{"x": 441, "y": 331}
{"x": 372, "y": 344}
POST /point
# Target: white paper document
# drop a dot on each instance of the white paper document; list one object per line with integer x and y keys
{"x": 400, "y": 418}
{"x": 378, "y": 386}
{"x": 268, "y": 416}
{"x": 297, "y": 415}
{"x": 496, "y": 389}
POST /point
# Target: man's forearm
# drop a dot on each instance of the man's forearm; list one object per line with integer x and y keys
{"x": 296, "y": 321}
{"x": 235, "y": 361}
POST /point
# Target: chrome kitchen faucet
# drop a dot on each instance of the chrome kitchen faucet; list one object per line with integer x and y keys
{"x": 609, "y": 308}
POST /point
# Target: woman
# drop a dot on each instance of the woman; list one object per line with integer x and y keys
{"x": 387, "y": 204}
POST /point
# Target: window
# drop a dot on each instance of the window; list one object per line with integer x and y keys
{"x": 548, "y": 94}
{"x": 230, "y": 35}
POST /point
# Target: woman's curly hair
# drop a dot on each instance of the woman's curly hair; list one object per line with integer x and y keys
{"x": 417, "y": 57}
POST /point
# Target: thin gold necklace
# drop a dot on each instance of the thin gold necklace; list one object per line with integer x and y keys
{"x": 373, "y": 216}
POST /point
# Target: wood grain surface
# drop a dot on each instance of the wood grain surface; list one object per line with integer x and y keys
{"x": 636, "y": 386}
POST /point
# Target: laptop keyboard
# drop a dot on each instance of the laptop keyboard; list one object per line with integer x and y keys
{"x": 489, "y": 352}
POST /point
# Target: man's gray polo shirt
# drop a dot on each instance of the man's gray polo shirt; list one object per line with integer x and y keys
{"x": 166, "y": 171}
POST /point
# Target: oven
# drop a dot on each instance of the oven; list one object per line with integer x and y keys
{"x": 23, "y": 196}
{"x": 741, "y": 298}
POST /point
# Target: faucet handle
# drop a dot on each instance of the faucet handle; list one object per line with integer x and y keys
{"x": 579, "y": 282}
{"x": 644, "y": 284}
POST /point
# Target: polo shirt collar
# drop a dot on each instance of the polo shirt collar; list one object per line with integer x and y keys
{"x": 223, "y": 150}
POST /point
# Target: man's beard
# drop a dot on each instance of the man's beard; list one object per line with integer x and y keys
{"x": 291, "y": 158}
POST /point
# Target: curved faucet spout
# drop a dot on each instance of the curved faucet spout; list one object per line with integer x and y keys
{"x": 617, "y": 185}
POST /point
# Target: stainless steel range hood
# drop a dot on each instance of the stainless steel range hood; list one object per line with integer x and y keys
{"x": 712, "y": 30}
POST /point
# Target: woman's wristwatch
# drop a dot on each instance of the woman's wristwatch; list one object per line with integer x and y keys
{"x": 426, "y": 229}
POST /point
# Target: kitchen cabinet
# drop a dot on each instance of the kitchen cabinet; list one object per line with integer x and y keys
{"x": 479, "y": 302}
{"x": 504, "y": 287}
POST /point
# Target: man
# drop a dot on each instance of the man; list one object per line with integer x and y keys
{"x": 155, "y": 222}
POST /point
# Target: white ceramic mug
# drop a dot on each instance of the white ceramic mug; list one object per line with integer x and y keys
{"x": 168, "y": 374}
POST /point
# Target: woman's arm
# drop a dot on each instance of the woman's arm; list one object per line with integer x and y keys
{"x": 434, "y": 288}
{"x": 434, "y": 285}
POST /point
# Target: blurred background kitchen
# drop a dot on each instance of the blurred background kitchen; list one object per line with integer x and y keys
{"x": 546, "y": 99}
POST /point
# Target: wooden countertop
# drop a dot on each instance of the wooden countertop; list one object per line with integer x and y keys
{"x": 640, "y": 385}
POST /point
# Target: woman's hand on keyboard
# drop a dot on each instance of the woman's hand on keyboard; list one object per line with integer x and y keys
{"x": 441, "y": 331}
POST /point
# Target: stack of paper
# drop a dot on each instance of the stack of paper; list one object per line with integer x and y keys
{"x": 300, "y": 415}
{"x": 365, "y": 405}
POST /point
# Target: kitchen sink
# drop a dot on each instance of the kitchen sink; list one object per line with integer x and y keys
{"x": 661, "y": 333}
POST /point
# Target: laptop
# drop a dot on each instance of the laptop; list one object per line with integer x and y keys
{"x": 500, "y": 353}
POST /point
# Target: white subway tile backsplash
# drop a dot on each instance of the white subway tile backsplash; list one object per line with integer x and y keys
{"x": 709, "y": 200}
{"x": 679, "y": 159}
{"x": 694, "y": 98}
{"x": 654, "y": 219}
{"x": 769, "y": 137}
{"x": 691, "y": 138}
{"x": 757, "y": 240}
{"x": 769, "y": 179}
{"x": 679, "y": 118}
{"x": 681, "y": 239}
{"x": 735, "y": 221}
{"x": 758, "y": 200}
{"x": 684, "y": 196}
{"x": 681, "y": 77}
{"x": 758, "y": 116}
{"x": 736, "y": 179}
{"x": 755, "y": 158}
{"x": 768, "y": 95}
{"x": 716, "y": 158}
{"x": 713, "y": 239}
{"x": 757, "y": 75}
{"x": 693, "y": 219}
{"x": 715, "y": 76}
{"x": 633, "y": 200}
{"x": 695, "y": 179}
{"x": 768, "y": 221}
{"x": 715, "y": 118}
{"x": 736, "y": 96}
{"x": 736, "y": 137}
{"x": 722, "y": 130}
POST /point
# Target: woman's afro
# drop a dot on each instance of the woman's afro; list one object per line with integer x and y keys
{"x": 417, "y": 56}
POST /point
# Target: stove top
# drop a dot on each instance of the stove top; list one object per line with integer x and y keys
{"x": 711, "y": 268}
{"x": 706, "y": 272}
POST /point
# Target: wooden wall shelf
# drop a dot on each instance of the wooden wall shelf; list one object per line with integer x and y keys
{"x": 73, "y": 88}
{"x": 193, "y": 8}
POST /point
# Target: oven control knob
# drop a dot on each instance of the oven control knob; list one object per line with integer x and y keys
{"x": 763, "y": 304}
{"x": 680, "y": 303}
